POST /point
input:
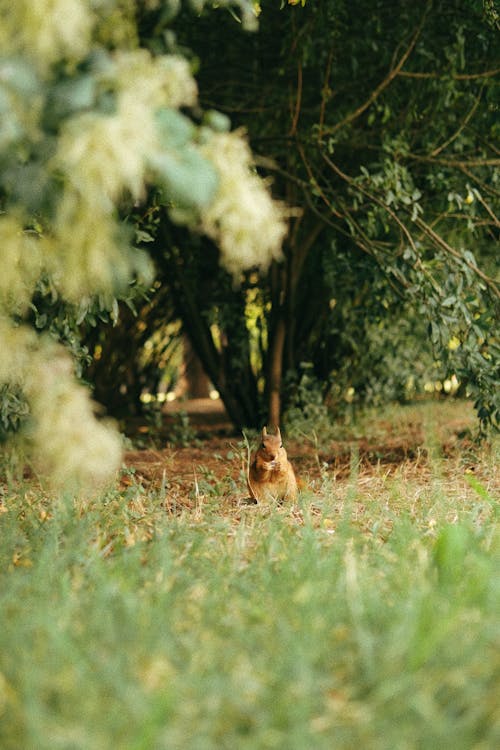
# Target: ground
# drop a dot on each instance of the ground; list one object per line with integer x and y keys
{"x": 404, "y": 443}
{"x": 364, "y": 615}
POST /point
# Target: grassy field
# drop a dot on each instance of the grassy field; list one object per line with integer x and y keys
{"x": 171, "y": 615}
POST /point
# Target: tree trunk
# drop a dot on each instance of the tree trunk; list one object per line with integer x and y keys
{"x": 194, "y": 284}
{"x": 276, "y": 372}
{"x": 194, "y": 383}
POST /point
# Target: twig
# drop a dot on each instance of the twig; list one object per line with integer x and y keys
{"x": 373, "y": 198}
{"x": 457, "y": 162}
{"x": 451, "y": 250}
{"x": 456, "y": 77}
{"x": 315, "y": 182}
{"x": 298, "y": 101}
{"x": 387, "y": 80}
{"x": 482, "y": 185}
{"x": 426, "y": 228}
{"x": 488, "y": 210}
{"x": 462, "y": 126}
{"x": 324, "y": 94}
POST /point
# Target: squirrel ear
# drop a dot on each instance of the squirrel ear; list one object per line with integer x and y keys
{"x": 264, "y": 431}
{"x": 278, "y": 433}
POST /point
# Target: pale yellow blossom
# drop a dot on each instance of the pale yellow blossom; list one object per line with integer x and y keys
{"x": 46, "y": 30}
{"x": 69, "y": 446}
{"x": 21, "y": 265}
{"x": 243, "y": 219}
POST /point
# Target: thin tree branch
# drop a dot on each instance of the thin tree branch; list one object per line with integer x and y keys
{"x": 315, "y": 182}
{"x": 488, "y": 210}
{"x": 438, "y": 240}
{"x": 456, "y": 77}
{"x": 375, "y": 199}
{"x": 457, "y": 162}
{"x": 394, "y": 72}
{"x": 466, "y": 120}
{"x": 426, "y": 229}
{"x": 324, "y": 94}
{"x": 298, "y": 101}
{"x": 482, "y": 185}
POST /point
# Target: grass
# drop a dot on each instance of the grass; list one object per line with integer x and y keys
{"x": 366, "y": 616}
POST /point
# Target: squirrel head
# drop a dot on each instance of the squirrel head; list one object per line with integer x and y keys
{"x": 271, "y": 445}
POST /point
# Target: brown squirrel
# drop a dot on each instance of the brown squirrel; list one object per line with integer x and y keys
{"x": 270, "y": 474}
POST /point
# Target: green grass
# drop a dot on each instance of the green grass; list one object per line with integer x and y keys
{"x": 367, "y": 617}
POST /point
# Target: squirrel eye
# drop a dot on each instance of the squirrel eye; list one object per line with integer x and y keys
{"x": 262, "y": 445}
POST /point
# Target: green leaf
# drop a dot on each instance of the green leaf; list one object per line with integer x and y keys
{"x": 68, "y": 97}
{"x": 189, "y": 180}
{"x": 217, "y": 121}
{"x": 143, "y": 236}
{"x": 449, "y": 301}
{"x": 175, "y": 129}
{"x": 17, "y": 74}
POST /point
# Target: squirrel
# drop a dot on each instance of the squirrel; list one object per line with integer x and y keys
{"x": 270, "y": 474}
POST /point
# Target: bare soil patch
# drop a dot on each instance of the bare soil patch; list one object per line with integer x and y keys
{"x": 215, "y": 463}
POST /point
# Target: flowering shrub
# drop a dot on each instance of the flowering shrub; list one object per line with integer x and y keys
{"x": 247, "y": 225}
{"x": 88, "y": 120}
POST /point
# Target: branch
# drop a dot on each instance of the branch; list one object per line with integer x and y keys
{"x": 466, "y": 120}
{"x": 369, "y": 247}
{"x": 426, "y": 228}
{"x": 488, "y": 210}
{"x": 486, "y": 188}
{"x": 302, "y": 251}
{"x": 456, "y": 77}
{"x": 438, "y": 240}
{"x": 315, "y": 182}
{"x": 375, "y": 199}
{"x": 457, "y": 162}
{"x": 298, "y": 101}
{"x": 387, "y": 80}
{"x": 324, "y": 94}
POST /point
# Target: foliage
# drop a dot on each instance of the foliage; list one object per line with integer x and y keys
{"x": 109, "y": 158}
{"x": 182, "y": 432}
{"x": 91, "y": 122}
{"x": 366, "y": 616}
{"x": 381, "y": 127}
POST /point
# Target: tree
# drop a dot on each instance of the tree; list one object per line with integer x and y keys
{"x": 379, "y": 121}
{"x": 92, "y": 121}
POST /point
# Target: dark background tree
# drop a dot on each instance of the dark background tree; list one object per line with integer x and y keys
{"x": 378, "y": 120}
